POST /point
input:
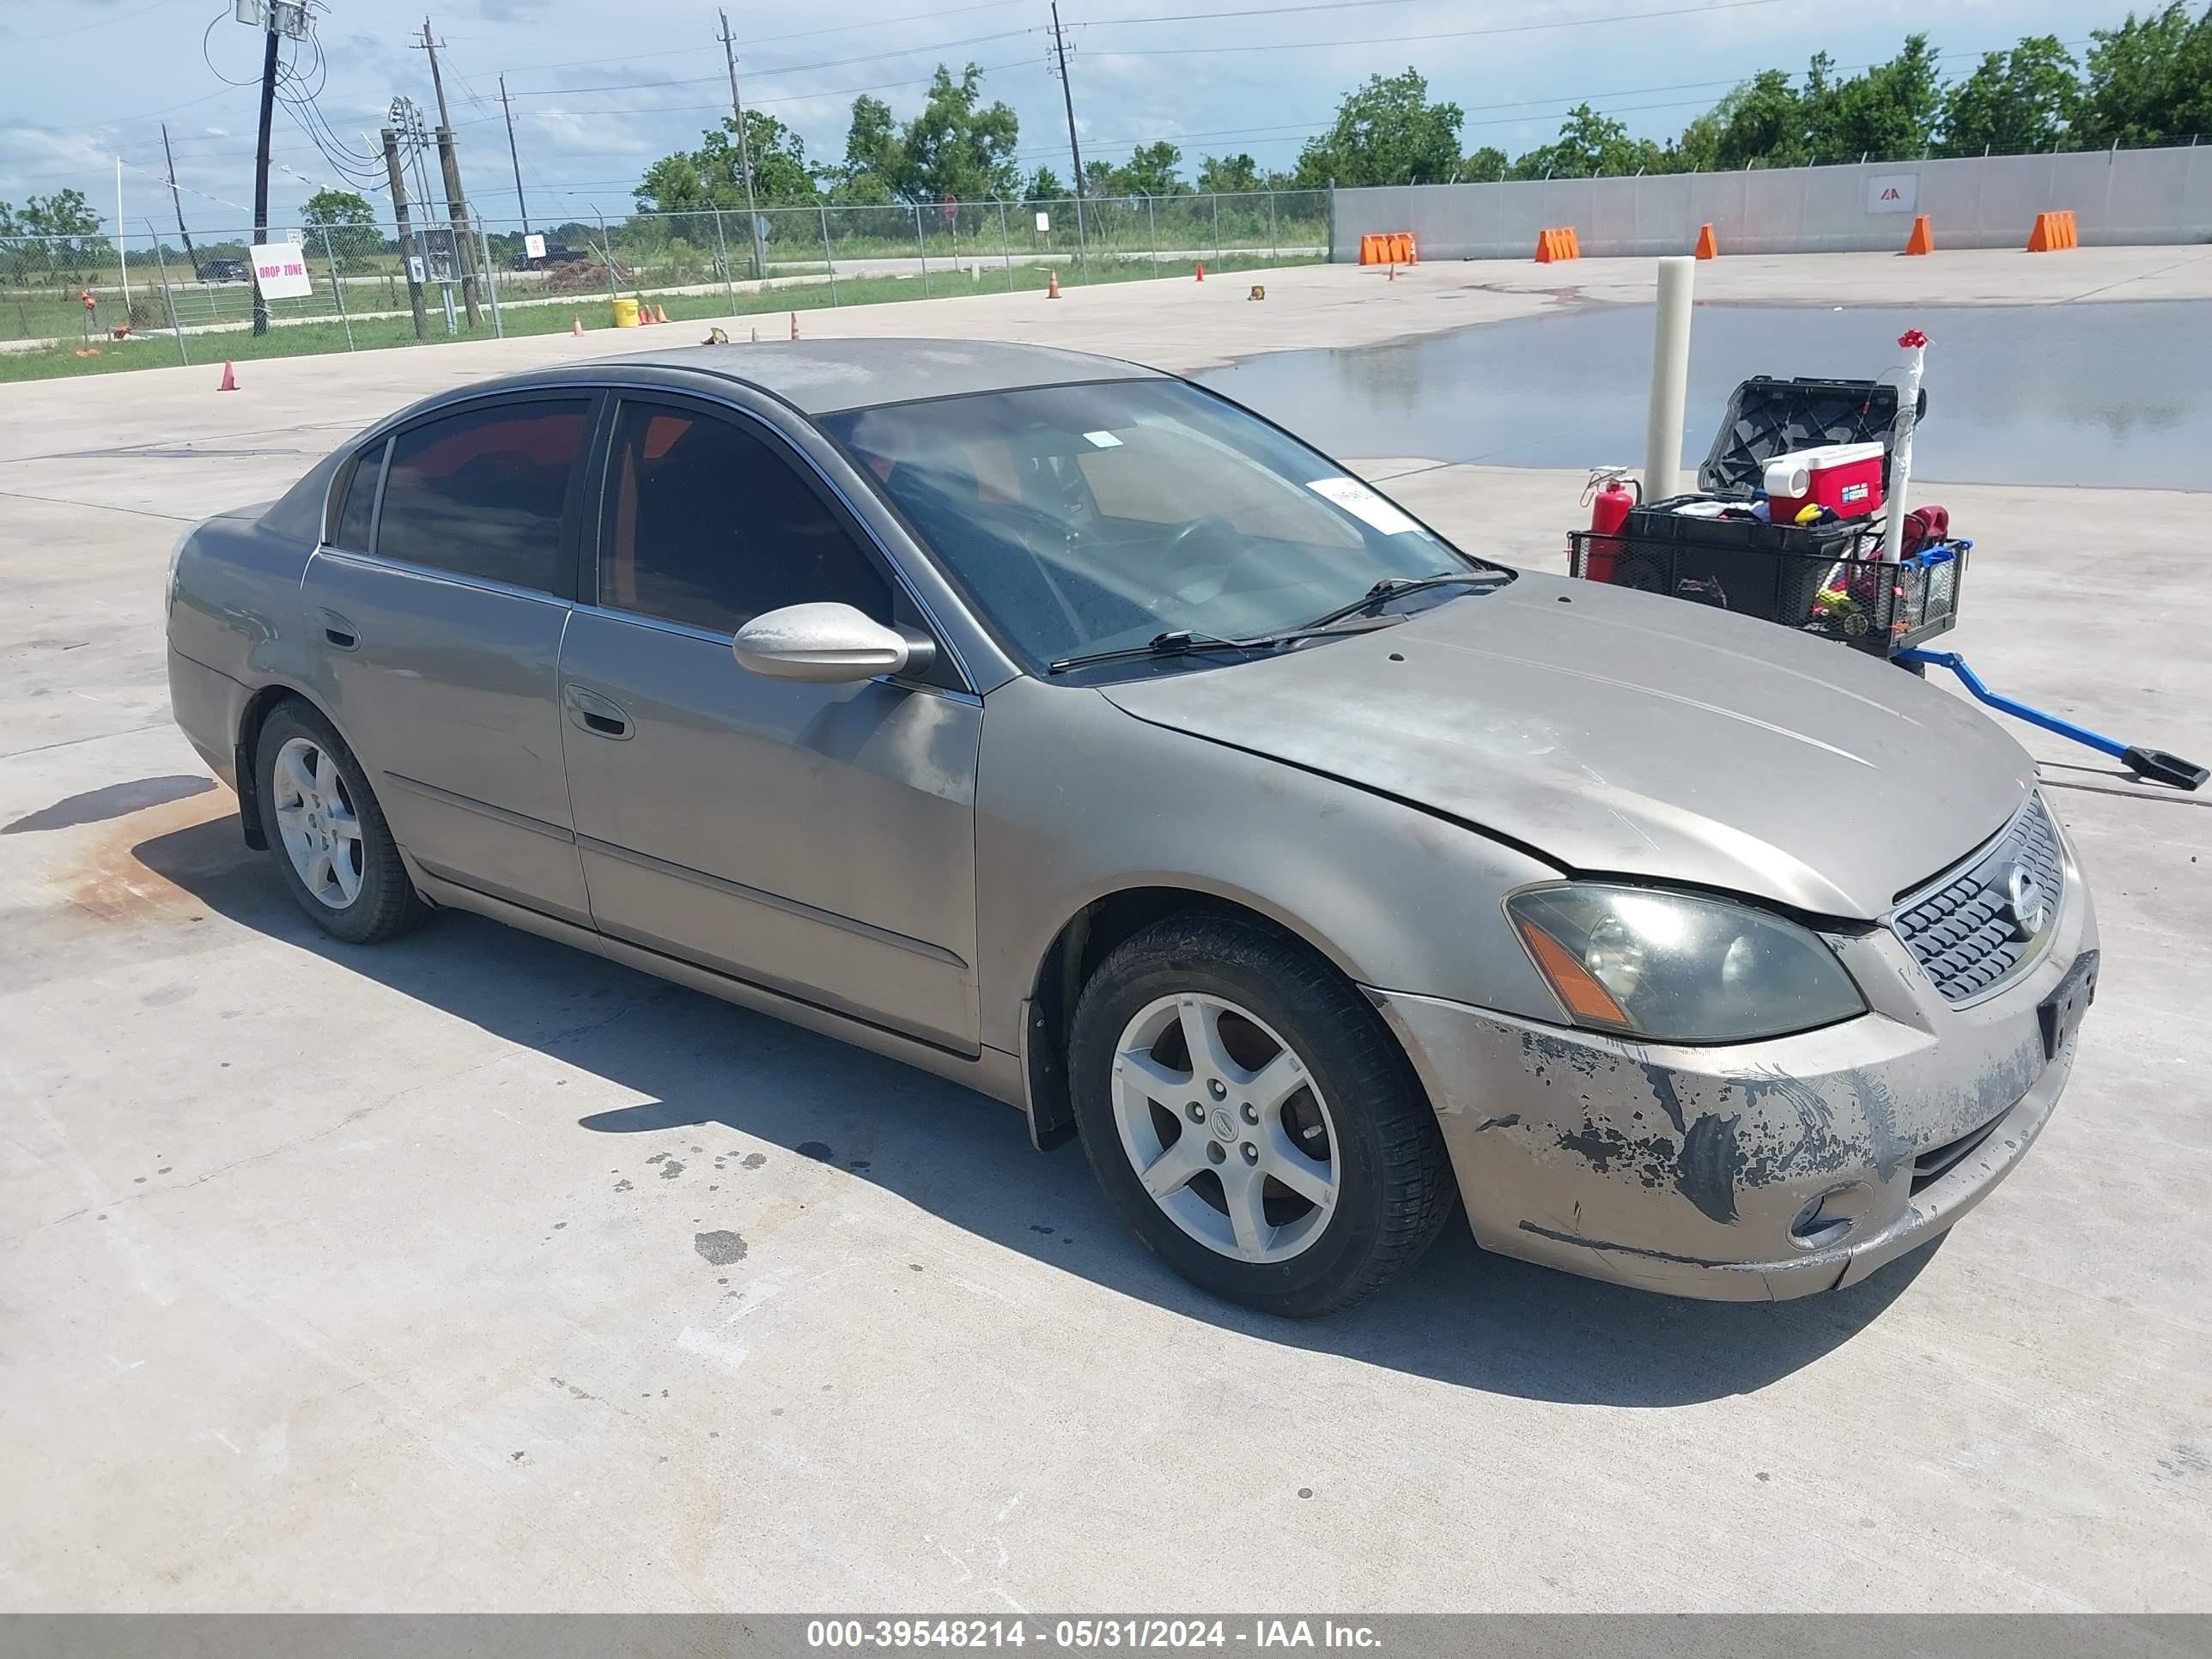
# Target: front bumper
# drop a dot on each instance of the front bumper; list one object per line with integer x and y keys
{"x": 1685, "y": 1169}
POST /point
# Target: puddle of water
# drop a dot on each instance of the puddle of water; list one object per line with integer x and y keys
{"x": 2117, "y": 394}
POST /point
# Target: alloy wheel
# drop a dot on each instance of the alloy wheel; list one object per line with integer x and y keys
{"x": 1226, "y": 1127}
{"x": 316, "y": 818}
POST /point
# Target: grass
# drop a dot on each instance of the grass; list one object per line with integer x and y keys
{"x": 309, "y": 340}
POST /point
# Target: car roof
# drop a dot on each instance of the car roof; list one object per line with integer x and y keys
{"x": 822, "y": 377}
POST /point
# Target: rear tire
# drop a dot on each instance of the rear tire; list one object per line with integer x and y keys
{"x": 1212, "y": 1058}
{"x": 327, "y": 834}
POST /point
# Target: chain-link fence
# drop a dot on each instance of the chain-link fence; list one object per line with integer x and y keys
{"x": 102, "y": 301}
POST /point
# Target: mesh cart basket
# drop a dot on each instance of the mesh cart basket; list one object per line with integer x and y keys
{"x": 1844, "y": 592}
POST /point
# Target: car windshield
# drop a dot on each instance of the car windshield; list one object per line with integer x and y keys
{"x": 1096, "y": 518}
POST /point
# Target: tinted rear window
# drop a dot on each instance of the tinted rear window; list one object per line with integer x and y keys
{"x": 359, "y": 502}
{"x": 480, "y": 493}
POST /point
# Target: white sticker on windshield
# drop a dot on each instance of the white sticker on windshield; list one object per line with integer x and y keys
{"x": 1363, "y": 503}
{"x": 1101, "y": 440}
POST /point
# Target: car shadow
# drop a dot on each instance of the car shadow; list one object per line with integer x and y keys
{"x": 1462, "y": 1317}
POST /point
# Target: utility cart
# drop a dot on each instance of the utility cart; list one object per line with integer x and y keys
{"x": 1826, "y": 577}
{"x": 1822, "y": 449}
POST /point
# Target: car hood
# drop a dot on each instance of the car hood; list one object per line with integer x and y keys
{"x": 1625, "y": 733}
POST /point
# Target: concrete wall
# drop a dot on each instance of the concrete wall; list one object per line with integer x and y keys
{"x": 2143, "y": 195}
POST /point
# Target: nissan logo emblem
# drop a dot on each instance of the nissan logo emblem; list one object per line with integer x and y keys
{"x": 2025, "y": 902}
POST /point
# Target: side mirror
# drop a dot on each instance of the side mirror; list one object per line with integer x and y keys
{"x": 827, "y": 643}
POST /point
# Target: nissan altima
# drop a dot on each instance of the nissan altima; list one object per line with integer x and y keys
{"x": 1058, "y": 726}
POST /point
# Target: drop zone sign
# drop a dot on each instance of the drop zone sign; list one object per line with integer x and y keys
{"x": 1893, "y": 192}
{"x": 280, "y": 269}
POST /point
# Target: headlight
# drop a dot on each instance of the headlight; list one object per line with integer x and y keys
{"x": 1676, "y": 968}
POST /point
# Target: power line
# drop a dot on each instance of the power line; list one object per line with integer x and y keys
{"x": 98, "y": 23}
{"x": 759, "y": 103}
{"x": 801, "y": 34}
{"x": 796, "y": 69}
{"x": 1440, "y": 34}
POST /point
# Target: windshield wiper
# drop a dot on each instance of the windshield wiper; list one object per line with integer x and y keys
{"x": 1174, "y": 643}
{"x": 1391, "y": 587}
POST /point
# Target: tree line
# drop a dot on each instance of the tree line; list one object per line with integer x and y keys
{"x": 2148, "y": 80}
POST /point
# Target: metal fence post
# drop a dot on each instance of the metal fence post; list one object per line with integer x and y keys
{"x": 1274, "y": 239}
{"x": 828, "y": 259}
{"x": 606, "y": 253}
{"x": 490, "y": 284}
{"x": 337, "y": 288}
{"x": 1217, "y": 225}
{"x": 920, "y": 250}
{"x": 169, "y": 299}
{"x": 722, "y": 255}
{"x": 1152, "y": 227}
{"x": 1007, "y": 246}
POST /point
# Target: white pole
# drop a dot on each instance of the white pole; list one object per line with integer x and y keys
{"x": 121, "y": 253}
{"x": 1900, "y": 445}
{"x": 1670, "y": 377}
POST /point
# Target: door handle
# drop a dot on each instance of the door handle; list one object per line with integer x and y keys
{"x": 602, "y": 717}
{"x": 338, "y": 630}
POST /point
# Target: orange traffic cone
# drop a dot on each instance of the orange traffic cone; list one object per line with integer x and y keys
{"x": 660, "y": 313}
{"x": 576, "y": 324}
{"x": 1201, "y": 270}
{"x": 1052, "y": 285}
{"x": 794, "y": 324}
{"x": 229, "y": 380}
{"x": 1708, "y": 246}
{"x": 1923, "y": 240}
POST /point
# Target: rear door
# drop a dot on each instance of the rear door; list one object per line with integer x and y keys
{"x": 816, "y": 840}
{"x": 440, "y": 635}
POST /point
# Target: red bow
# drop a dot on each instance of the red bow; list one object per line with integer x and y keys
{"x": 1912, "y": 337}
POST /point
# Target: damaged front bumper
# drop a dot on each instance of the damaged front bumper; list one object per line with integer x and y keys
{"x": 1750, "y": 1172}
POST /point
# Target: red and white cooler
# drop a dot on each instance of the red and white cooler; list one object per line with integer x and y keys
{"x": 1844, "y": 477}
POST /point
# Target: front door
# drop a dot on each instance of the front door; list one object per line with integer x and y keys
{"x": 440, "y": 638}
{"x": 816, "y": 840}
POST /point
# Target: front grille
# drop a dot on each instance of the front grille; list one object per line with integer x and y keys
{"x": 1964, "y": 933}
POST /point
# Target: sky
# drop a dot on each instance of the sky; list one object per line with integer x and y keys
{"x": 600, "y": 88}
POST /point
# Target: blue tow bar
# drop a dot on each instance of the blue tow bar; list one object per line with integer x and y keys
{"x": 2152, "y": 763}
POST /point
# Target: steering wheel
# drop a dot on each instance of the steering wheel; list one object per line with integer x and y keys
{"x": 1170, "y": 569}
{"x": 1197, "y": 530}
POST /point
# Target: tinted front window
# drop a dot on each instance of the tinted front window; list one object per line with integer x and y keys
{"x": 479, "y": 492}
{"x": 1091, "y": 518}
{"x": 706, "y": 524}
{"x": 359, "y": 504}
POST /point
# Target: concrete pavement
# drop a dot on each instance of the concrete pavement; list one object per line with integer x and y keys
{"x": 471, "y": 1272}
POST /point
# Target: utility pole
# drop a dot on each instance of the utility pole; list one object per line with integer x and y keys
{"x": 179, "y": 201}
{"x": 261, "y": 164}
{"x": 513, "y": 157}
{"x": 1067, "y": 97}
{"x": 398, "y": 177}
{"x": 744, "y": 150}
{"x": 449, "y": 164}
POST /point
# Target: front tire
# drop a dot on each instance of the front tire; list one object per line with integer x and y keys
{"x": 326, "y": 832}
{"x": 1250, "y": 1116}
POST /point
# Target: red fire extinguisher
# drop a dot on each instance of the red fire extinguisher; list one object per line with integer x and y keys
{"x": 1611, "y": 492}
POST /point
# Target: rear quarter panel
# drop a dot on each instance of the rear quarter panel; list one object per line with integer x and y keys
{"x": 235, "y": 606}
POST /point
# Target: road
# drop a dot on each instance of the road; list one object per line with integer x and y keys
{"x": 398, "y": 1279}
